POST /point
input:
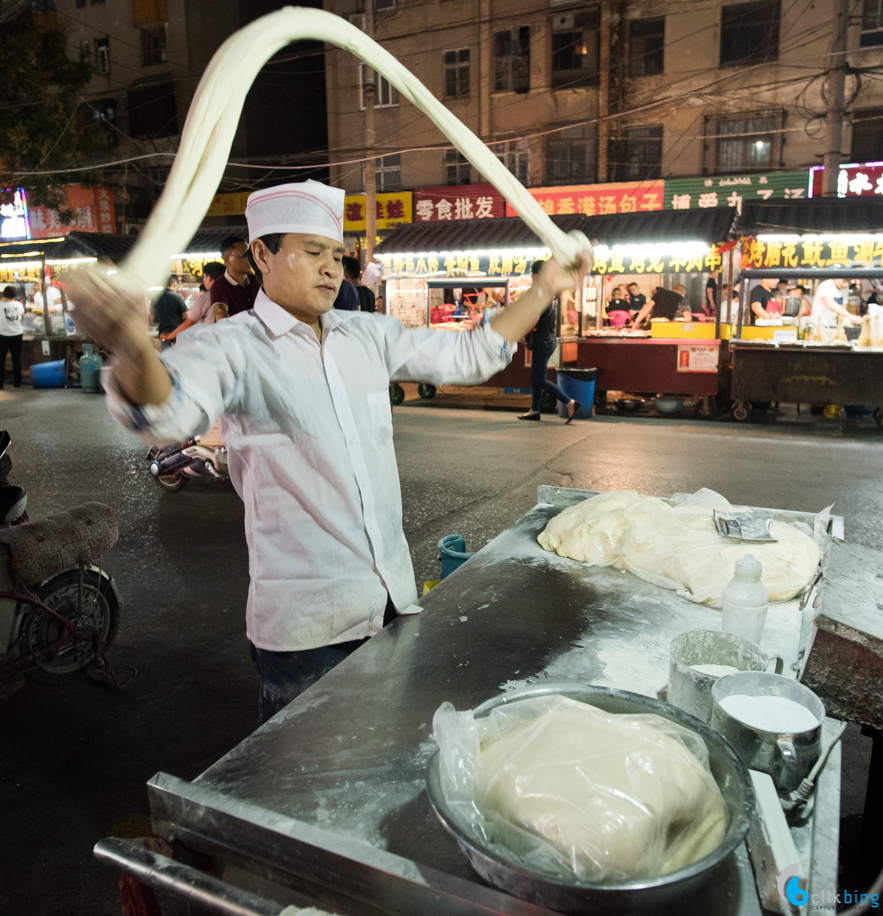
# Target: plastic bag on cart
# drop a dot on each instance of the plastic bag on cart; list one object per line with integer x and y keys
{"x": 676, "y": 545}
{"x": 562, "y": 788}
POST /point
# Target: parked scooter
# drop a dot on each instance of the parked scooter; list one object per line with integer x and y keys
{"x": 59, "y": 610}
{"x": 173, "y": 466}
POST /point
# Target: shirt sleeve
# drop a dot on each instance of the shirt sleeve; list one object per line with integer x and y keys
{"x": 219, "y": 292}
{"x": 444, "y": 357}
{"x": 206, "y": 371}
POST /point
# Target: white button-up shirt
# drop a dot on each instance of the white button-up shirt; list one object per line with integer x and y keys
{"x": 308, "y": 430}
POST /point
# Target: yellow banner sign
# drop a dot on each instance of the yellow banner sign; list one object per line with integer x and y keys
{"x": 393, "y": 209}
{"x": 228, "y": 204}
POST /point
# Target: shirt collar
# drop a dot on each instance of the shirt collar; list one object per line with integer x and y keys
{"x": 280, "y": 322}
{"x": 232, "y": 282}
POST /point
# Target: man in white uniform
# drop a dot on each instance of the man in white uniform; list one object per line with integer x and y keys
{"x": 828, "y": 304}
{"x": 302, "y": 392}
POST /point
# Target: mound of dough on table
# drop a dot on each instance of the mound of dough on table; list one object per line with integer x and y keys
{"x": 619, "y": 797}
{"x": 677, "y": 547}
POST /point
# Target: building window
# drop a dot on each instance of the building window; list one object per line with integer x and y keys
{"x": 104, "y": 113}
{"x": 643, "y": 153}
{"x": 385, "y": 94}
{"x": 647, "y": 47}
{"x": 385, "y": 6}
{"x": 512, "y": 60}
{"x": 746, "y": 144}
{"x": 457, "y": 167}
{"x": 575, "y": 48}
{"x": 456, "y": 65}
{"x": 867, "y": 135}
{"x": 152, "y": 110}
{"x": 872, "y": 23}
{"x": 102, "y": 55}
{"x": 387, "y": 173}
{"x": 153, "y": 45}
{"x": 86, "y": 51}
{"x": 515, "y": 155}
{"x": 750, "y": 33}
{"x": 570, "y": 156}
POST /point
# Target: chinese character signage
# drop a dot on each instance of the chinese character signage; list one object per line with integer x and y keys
{"x": 697, "y": 357}
{"x": 14, "y": 215}
{"x": 229, "y": 204}
{"x": 458, "y": 265}
{"x": 598, "y": 199}
{"x": 733, "y": 190}
{"x": 812, "y": 252}
{"x": 392, "y": 209}
{"x": 93, "y": 212}
{"x": 852, "y": 180}
{"x": 650, "y": 259}
{"x": 468, "y": 201}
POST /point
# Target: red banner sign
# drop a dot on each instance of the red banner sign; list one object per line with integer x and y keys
{"x": 852, "y": 180}
{"x": 93, "y": 212}
{"x": 468, "y": 201}
{"x": 598, "y": 199}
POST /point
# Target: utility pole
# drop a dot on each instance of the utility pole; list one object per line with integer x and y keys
{"x": 835, "y": 85}
{"x": 370, "y": 163}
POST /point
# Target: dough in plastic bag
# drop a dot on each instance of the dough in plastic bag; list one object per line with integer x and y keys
{"x": 599, "y": 797}
{"x": 678, "y": 547}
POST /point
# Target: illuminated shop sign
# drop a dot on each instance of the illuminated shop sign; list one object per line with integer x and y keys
{"x": 14, "y": 223}
{"x": 797, "y": 251}
{"x": 391, "y": 208}
{"x": 854, "y": 180}
{"x": 677, "y": 258}
{"x": 598, "y": 199}
{"x": 460, "y": 264}
{"x": 473, "y": 201}
{"x": 733, "y": 190}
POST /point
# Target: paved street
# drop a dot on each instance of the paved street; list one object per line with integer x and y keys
{"x": 75, "y": 759}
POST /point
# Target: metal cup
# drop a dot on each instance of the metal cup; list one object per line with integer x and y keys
{"x": 786, "y": 756}
{"x": 689, "y": 689}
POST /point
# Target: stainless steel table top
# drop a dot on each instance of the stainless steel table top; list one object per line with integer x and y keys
{"x": 349, "y": 755}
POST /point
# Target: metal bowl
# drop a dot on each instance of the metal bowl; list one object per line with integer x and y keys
{"x": 668, "y": 405}
{"x": 628, "y": 405}
{"x": 647, "y": 894}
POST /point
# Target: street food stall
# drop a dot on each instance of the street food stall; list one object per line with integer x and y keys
{"x": 661, "y": 249}
{"x": 38, "y": 267}
{"x": 444, "y": 275}
{"x": 806, "y": 242}
{"x": 326, "y": 805}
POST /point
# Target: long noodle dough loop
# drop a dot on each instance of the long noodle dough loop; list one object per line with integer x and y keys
{"x": 214, "y": 116}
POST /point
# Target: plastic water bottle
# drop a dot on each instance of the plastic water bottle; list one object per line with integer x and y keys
{"x": 746, "y": 601}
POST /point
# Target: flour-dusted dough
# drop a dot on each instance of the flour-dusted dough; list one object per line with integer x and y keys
{"x": 677, "y": 547}
{"x": 618, "y": 797}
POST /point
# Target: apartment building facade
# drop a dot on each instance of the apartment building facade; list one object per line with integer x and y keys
{"x": 576, "y": 93}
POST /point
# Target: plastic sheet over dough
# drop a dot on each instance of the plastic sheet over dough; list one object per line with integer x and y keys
{"x": 559, "y": 786}
{"x": 677, "y": 547}
{"x": 213, "y": 120}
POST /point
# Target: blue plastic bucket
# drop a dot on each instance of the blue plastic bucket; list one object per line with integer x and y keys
{"x": 48, "y": 375}
{"x": 578, "y": 384}
{"x": 452, "y": 553}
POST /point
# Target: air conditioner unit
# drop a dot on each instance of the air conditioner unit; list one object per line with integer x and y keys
{"x": 358, "y": 20}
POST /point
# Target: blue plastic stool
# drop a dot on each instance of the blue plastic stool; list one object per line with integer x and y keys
{"x": 452, "y": 553}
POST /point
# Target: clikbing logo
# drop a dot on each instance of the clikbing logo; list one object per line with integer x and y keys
{"x": 789, "y": 886}
{"x": 790, "y": 889}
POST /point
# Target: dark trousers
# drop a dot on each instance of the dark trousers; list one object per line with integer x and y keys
{"x": 543, "y": 348}
{"x": 286, "y": 675}
{"x": 11, "y": 345}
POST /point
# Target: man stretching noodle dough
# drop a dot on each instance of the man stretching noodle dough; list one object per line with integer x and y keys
{"x": 302, "y": 392}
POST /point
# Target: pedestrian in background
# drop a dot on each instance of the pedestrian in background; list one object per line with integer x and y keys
{"x": 11, "y": 334}
{"x": 347, "y": 297}
{"x": 353, "y": 272}
{"x": 202, "y": 310}
{"x": 169, "y": 310}
{"x": 237, "y": 288}
{"x": 542, "y": 340}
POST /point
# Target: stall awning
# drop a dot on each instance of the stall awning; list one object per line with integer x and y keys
{"x": 821, "y": 215}
{"x": 114, "y": 247}
{"x": 710, "y": 226}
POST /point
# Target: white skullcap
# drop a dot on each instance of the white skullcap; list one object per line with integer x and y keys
{"x": 309, "y": 207}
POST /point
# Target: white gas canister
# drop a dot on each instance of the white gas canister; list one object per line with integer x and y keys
{"x": 746, "y": 601}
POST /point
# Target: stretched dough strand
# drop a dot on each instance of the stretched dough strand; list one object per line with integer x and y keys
{"x": 214, "y": 116}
